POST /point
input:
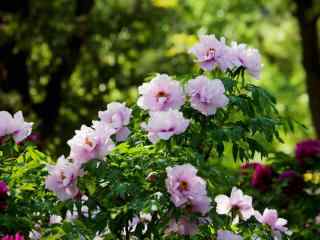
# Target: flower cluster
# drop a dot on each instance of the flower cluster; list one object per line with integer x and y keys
{"x": 212, "y": 53}
{"x": 239, "y": 206}
{"x": 206, "y": 95}
{"x": 62, "y": 178}
{"x": 14, "y": 126}
{"x": 88, "y": 143}
{"x": 187, "y": 191}
{"x": 293, "y": 179}
{"x": 163, "y": 97}
{"x": 271, "y": 219}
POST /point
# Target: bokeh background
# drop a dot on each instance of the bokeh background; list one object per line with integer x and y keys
{"x": 63, "y": 60}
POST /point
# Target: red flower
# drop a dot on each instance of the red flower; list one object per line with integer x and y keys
{"x": 3, "y": 190}
{"x": 261, "y": 178}
{"x": 294, "y": 181}
{"x": 307, "y": 149}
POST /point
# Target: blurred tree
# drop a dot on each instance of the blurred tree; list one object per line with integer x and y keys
{"x": 308, "y": 14}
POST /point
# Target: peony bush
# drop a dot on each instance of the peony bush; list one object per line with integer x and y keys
{"x": 149, "y": 171}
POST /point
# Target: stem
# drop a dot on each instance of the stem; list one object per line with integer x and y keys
{"x": 242, "y": 79}
{"x": 168, "y": 148}
{"x": 207, "y": 154}
{"x": 78, "y": 205}
{"x": 205, "y": 123}
{"x": 127, "y": 236}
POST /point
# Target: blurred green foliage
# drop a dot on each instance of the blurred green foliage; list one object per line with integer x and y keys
{"x": 122, "y": 41}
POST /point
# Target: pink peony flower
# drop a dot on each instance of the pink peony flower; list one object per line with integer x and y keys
{"x": 89, "y": 143}
{"x": 14, "y": 126}
{"x": 117, "y": 116}
{"x": 5, "y": 119}
{"x": 212, "y": 53}
{"x": 237, "y": 201}
{"x": 163, "y": 125}
{"x": 187, "y": 189}
{"x": 199, "y": 204}
{"x": 227, "y": 235}
{"x": 270, "y": 218}
{"x": 206, "y": 95}
{"x": 161, "y": 94}
{"x": 249, "y": 58}
{"x": 13, "y": 237}
{"x": 62, "y": 179}
{"x": 307, "y": 149}
{"x": 182, "y": 227}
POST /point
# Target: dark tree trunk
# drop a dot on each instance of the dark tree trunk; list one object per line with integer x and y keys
{"x": 310, "y": 55}
{"x": 48, "y": 110}
{"x": 14, "y": 69}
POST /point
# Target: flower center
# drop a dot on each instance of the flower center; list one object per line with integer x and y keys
{"x": 62, "y": 175}
{"x": 171, "y": 129}
{"x": 162, "y": 94}
{"x": 87, "y": 141}
{"x": 183, "y": 186}
{"x": 210, "y": 53}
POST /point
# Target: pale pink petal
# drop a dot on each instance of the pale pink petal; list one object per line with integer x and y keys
{"x": 223, "y": 204}
{"x": 122, "y": 134}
